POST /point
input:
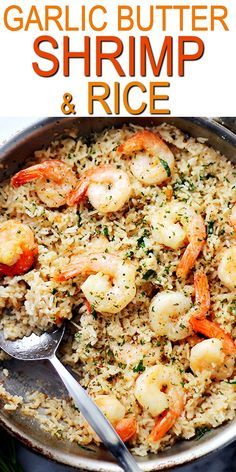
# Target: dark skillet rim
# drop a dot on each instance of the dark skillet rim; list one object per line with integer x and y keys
{"x": 85, "y": 466}
{"x": 213, "y": 126}
{"x": 221, "y": 131}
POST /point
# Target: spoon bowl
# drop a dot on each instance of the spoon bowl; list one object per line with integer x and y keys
{"x": 33, "y": 347}
{"x": 42, "y": 347}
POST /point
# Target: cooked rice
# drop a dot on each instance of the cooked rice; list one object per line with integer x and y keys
{"x": 202, "y": 178}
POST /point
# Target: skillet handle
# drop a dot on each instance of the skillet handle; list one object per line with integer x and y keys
{"x": 227, "y": 122}
{"x": 95, "y": 418}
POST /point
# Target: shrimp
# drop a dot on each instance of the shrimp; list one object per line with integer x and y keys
{"x": 54, "y": 180}
{"x": 115, "y": 413}
{"x": 126, "y": 428}
{"x": 197, "y": 238}
{"x": 175, "y": 223}
{"x": 232, "y": 218}
{"x": 169, "y": 315}
{"x": 169, "y": 417}
{"x": 169, "y": 225}
{"x": 106, "y": 187}
{"x": 202, "y": 294}
{"x": 18, "y": 250}
{"x": 200, "y": 323}
{"x": 208, "y": 356}
{"x": 111, "y": 408}
{"x": 211, "y": 329}
{"x": 113, "y": 285}
{"x": 159, "y": 391}
{"x": 155, "y": 164}
{"x": 227, "y": 268}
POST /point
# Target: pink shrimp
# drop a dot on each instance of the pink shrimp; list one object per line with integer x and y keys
{"x": 18, "y": 250}
{"x": 155, "y": 164}
{"x": 202, "y": 294}
{"x": 168, "y": 418}
{"x": 200, "y": 323}
{"x": 106, "y": 187}
{"x": 54, "y": 180}
{"x": 126, "y": 428}
{"x": 210, "y": 329}
{"x": 113, "y": 285}
{"x": 197, "y": 237}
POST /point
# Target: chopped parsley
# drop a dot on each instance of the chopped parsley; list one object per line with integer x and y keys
{"x": 166, "y": 166}
{"x": 210, "y": 227}
{"x": 105, "y": 231}
{"x": 150, "y": 273}
{"x": 129, "y": 255}
{"x": 183, "y": 182}
{"x": 140, "y": 367}
{"x": 78, "y": 336}
{"x": 140, "y": 241}
{"x": 207, "y": 176}
{"x": 201, "y": 431}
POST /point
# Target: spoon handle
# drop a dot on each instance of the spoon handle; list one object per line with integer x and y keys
{"x": 96, "y": 419}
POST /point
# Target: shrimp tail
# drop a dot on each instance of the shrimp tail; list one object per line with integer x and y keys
{"x": 79, "y": 193}
{"x": 168, "y": 418}
{"x": 202, "y": 293}
{"x": 197, "y": 239}
{"x": 199, "y": 322}
{"x": 95, "y": 174}
{"x": 80, "y": 265}
{"x": 142, "y": 140}
{"x": 88, "y": 306}
{"x": 70, "y": 271}
{"x": 47, "y": 169}
{"x": 211, "y": 329}
{"x": 126, "y": 428}
{"x": 23, "y": 265}
{"x": 163, "y": 424}
{"x": 25, "y": 176}
{"x": 187, "y": 262}
{"x": 91, "y": 263}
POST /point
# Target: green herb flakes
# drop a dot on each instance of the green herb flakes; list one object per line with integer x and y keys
{"x": 166, "y": 166}
{"x": 105, "y": 231}
{"x": 201, "y": 431}
{"x": 150, "y": 273}
{"x": 210, "y": 227}
{"x": 140, "y": 367}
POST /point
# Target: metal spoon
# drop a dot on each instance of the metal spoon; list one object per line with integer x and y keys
{"x": 44, "y": 347}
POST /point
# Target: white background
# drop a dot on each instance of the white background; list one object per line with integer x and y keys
{"x": 208, "y": 87}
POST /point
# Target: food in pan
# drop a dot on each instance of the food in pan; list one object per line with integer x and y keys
{"x": 130, "y": 237}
